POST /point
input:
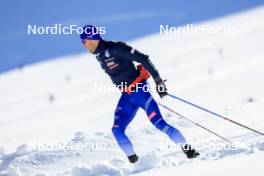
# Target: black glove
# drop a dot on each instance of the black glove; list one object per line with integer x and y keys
{"x": 161, "y": 88}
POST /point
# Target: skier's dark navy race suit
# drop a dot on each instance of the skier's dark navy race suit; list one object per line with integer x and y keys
{"x": 116, "y": 58}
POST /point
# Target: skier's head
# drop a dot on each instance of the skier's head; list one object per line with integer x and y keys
{"x": 90, "y": 37}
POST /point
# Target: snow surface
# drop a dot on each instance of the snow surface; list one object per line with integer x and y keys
{"x": 55, "y": 103}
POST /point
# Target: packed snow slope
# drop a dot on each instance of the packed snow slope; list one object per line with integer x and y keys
{"x": 57, "y": 103}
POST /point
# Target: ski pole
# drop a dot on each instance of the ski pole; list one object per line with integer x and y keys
{"x": 215, "y": 114}
{"x": 189, "y": 120}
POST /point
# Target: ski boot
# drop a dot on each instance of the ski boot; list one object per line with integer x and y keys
{"x": 133, "y": 158}
{"x": 190, "y": 152}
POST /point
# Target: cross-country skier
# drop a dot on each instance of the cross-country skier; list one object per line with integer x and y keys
{"x": 116, "y": 59}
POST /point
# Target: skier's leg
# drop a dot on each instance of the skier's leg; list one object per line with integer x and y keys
{"x": 145, "y": 100}
{"x": 157, "y": 120}
{"x": 147, "y": 103}
{"x": 174, "y": 134}
{"x": 124, "y": 114}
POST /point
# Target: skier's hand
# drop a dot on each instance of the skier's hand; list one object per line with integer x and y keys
{"x": 161, "y": 88}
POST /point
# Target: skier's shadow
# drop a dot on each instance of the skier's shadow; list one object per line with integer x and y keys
{"x": 7, "y": 160}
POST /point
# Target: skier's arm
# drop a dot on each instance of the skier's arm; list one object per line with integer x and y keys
{"x": 130, "y": 53}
